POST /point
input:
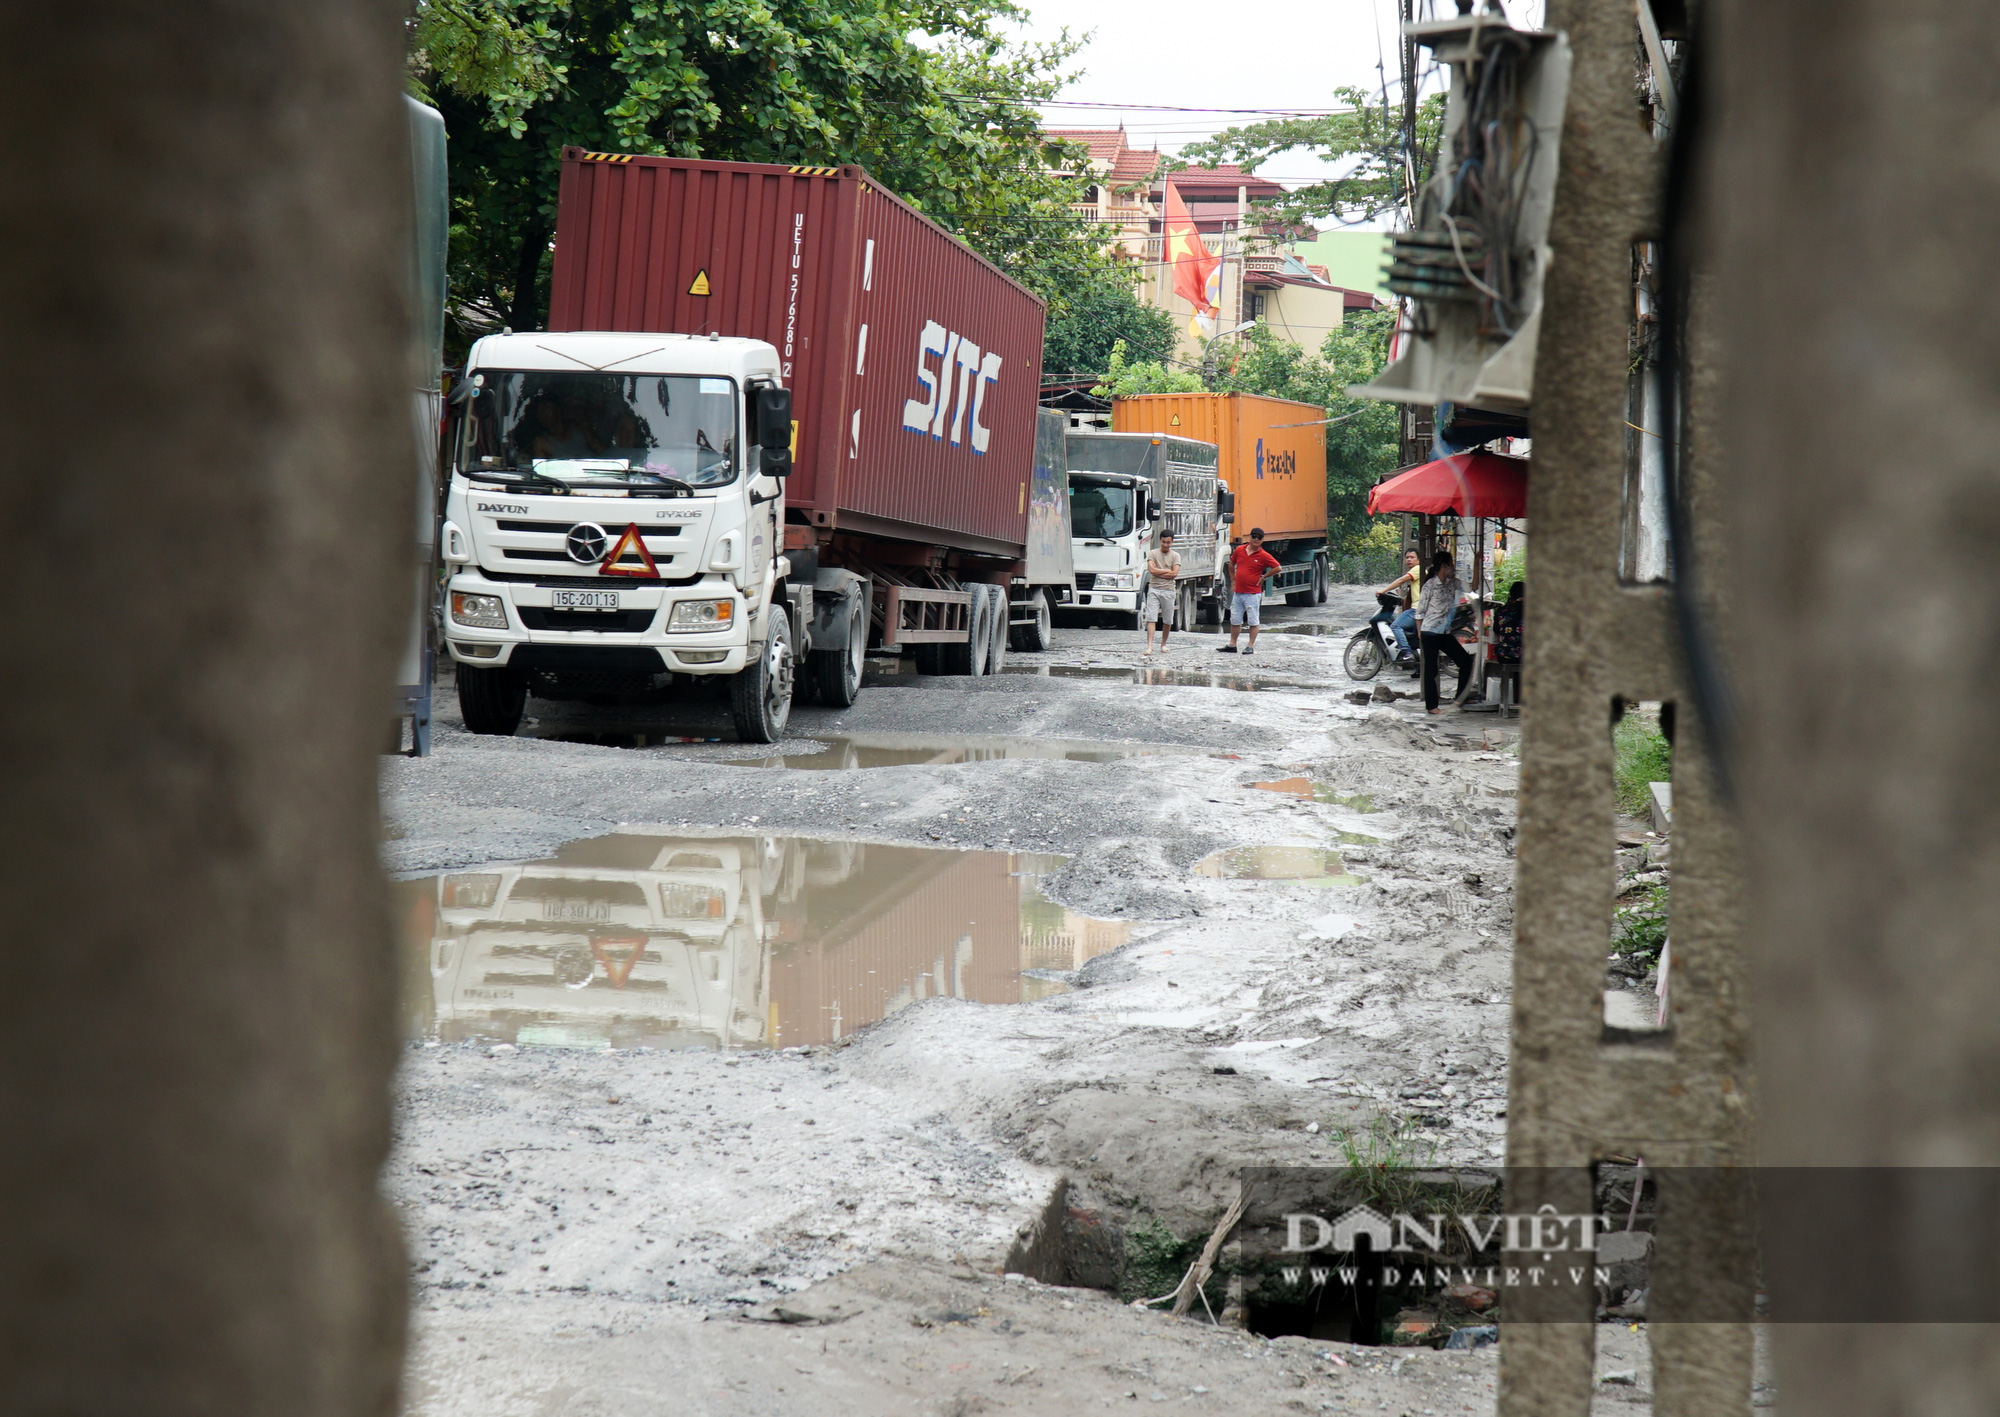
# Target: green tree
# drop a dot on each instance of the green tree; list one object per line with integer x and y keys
{"x": 1368, "y": 136}
{"x": 1362, "y": 435}
{"x": 1124, "y": 377}
{"x": 934, "y": 101}
{"x": 1102, "y": 317}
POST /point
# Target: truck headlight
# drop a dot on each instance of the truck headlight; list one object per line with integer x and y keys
{"x": 1118, "y": 580}
{"x": 702, "y": 615}
{"x": 481, "y": 611}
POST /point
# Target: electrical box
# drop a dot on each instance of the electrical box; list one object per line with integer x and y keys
{"x": 1472, "y": 267}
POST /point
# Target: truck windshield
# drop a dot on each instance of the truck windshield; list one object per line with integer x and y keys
{"x": 602, "y": 428}
{"x": 1098, "y": 511}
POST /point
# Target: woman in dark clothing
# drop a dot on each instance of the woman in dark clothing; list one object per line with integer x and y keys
{"x": 1435, "y": 608}
{"x": 1507, "y": 625}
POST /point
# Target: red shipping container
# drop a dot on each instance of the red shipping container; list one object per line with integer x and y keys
{"x": 914, "y": 363}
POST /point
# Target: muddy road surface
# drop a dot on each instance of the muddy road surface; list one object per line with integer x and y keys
{"x": 737, "y": 1079}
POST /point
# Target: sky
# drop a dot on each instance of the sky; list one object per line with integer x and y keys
{"x": 1190, "y": 54}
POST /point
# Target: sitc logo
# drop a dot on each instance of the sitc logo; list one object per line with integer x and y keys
{"x": 960, "y": 400}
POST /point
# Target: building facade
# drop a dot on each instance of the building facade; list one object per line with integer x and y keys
{"x": 1262, "y": 278}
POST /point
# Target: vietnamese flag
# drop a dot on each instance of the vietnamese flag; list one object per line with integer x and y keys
{"x": 1193, "y": 266}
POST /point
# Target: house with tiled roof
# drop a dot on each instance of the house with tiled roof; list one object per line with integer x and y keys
{"x": 1125, "y": 199}
{"x": 1118, "y": 196}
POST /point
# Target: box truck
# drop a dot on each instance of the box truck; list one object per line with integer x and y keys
{"x": 778, "y": 417}
{"x": 1273, "y": 461}
{"x": 1125, "y": 490}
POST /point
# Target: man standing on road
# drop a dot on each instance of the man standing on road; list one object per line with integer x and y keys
{"x": 1250, "y": 566}
{"x": 1163, "y": 565}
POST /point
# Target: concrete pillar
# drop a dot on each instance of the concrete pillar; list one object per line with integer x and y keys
{"x": 1579, "y": 1094}
{"x": 206, "y": 519}
{"x": 1855, "y": 195}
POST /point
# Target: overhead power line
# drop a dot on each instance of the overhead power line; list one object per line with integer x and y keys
{"x": 1158, "y": 107}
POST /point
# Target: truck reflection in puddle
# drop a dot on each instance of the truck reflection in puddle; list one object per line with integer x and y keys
{"x": 730, "y": 942}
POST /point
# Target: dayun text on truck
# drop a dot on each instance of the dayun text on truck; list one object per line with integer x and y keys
{"x": 779, "y": 418}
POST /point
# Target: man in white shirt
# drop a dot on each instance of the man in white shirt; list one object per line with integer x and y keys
{"x": 1163, "y": 566}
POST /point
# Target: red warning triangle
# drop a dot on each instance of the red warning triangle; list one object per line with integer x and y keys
{"x": 629, "y": 544}
{"x": 618, "y": 953}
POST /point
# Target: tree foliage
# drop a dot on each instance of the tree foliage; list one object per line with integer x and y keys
{"x": 1366, "y": 135}
{"x": 1125, "y": 376}
{"x": 1105, "y": 320}
{"x": 934, "y": 101}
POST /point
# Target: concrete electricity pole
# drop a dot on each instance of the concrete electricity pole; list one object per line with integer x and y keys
{"x": 206, "y": 513}
{"x": 1854, "y": 191}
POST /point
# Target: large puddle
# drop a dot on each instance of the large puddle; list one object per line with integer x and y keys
{"x": 1308, "y": 790}
{"x": 827, "y": 752}
{"x": 1147, "y": 674}
{"x": 729, "y": 942}
{"x": 1303, "y": 865}
{"x": 883, "y": 750}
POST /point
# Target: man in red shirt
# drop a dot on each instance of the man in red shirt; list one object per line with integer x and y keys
{"x": 1250, "y": 566}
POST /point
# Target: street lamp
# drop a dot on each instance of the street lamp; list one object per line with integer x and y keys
{"x": 1210, "y": 352}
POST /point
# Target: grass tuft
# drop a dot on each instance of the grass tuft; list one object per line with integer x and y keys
{"x": 1641, "y": 756}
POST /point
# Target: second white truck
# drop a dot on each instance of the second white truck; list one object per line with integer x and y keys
{"x": 1125, "y": 490}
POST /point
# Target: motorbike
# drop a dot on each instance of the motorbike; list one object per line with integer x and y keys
{"x": 1374, "y": 644}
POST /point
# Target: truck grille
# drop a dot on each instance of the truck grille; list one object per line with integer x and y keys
{"x": 1086, "y": 580}
{"x": 617, "y": 622}
{"x": 562, "y": 528}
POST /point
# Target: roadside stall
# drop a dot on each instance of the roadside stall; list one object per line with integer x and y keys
{"x": 1479, "y": 485}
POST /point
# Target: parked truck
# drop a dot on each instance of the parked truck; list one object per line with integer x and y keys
{"x": 778, "y": 418}
{"x": 1125, "y": 490}
{"x": 1273, "y": 461}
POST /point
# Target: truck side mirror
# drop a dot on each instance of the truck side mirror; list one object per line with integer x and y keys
{"x": 1226, "y": 502}
{"x": 774, "y": 429}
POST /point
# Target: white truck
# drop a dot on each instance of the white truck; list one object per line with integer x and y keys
{"x": 1127, "y": 488}
{"x": 613, "y": 530}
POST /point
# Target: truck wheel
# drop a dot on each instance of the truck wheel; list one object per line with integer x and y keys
{"x": 1184, "y": 608}
{"x": 491, "y": 700}
{"x": 1038, "y": 634}
{"x": 760, "y": 698}
{"x": 837, "y": 672}
{"x": 997, "y": 637}
{"x": 1319, "y": 580}
{"x": 969, "y": 657}
{"x": 1208, "y": 608}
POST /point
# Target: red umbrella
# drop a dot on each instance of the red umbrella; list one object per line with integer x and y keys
{"x": 1464, "y": 485}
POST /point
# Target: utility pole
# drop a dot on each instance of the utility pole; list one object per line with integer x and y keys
{"x": 1847, "y": 190}
{"x": 1582, "y": 1091}
{"x": 208, "y": 520}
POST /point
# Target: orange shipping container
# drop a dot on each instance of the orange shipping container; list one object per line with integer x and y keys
{"x": 1278, "y": 472}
